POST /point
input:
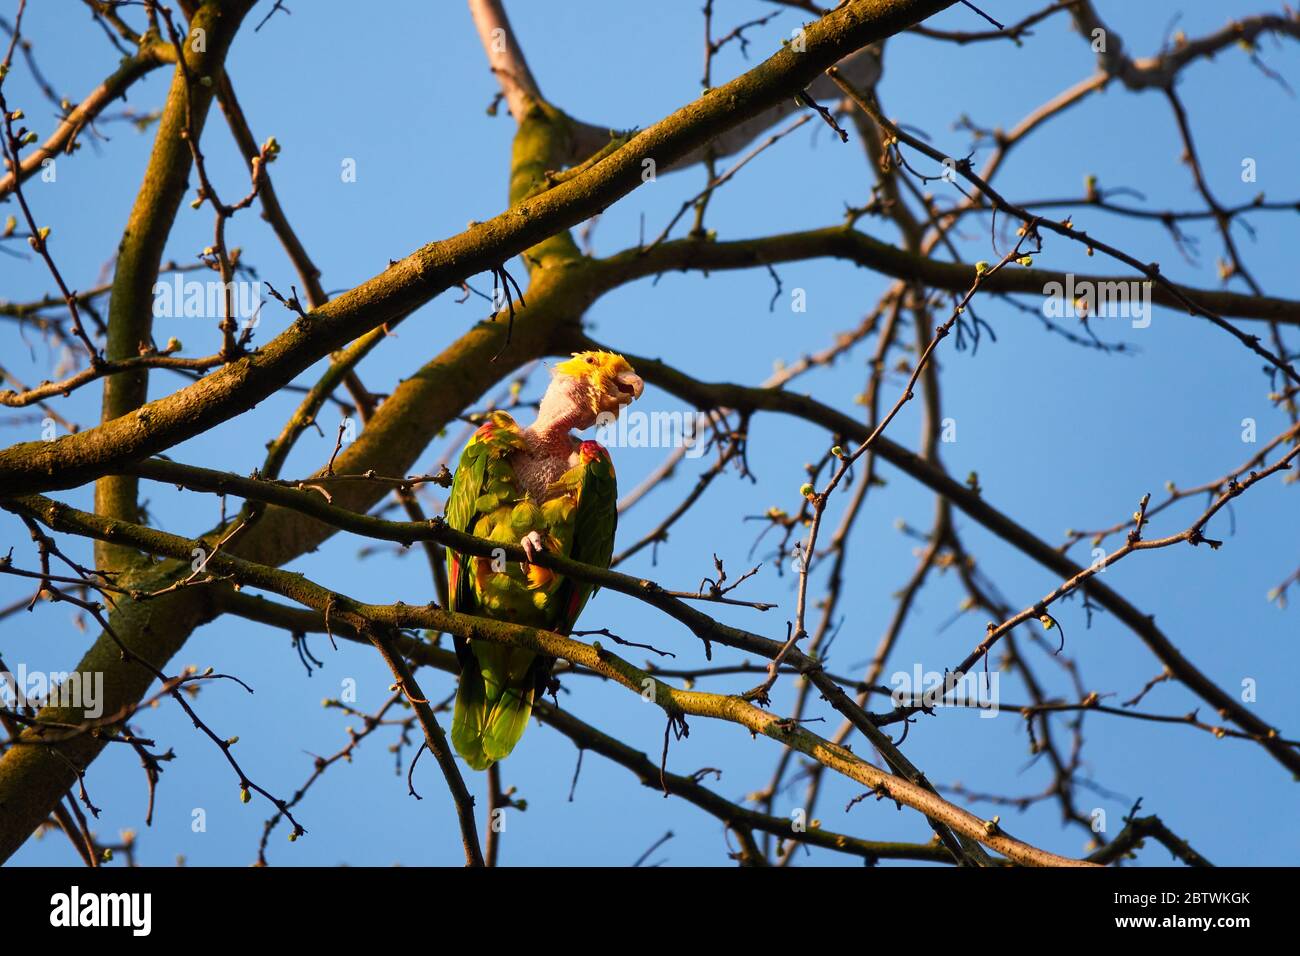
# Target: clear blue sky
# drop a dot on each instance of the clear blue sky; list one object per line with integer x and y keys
{"x": 1061, "y": 436}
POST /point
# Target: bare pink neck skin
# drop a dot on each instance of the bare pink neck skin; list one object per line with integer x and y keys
{"x": 550, "y": 436}
{"x": 560, "y": 412}
{"x": 549, "y": 447}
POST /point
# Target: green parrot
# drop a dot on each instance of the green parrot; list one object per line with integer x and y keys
{"x": 543, "y": 489}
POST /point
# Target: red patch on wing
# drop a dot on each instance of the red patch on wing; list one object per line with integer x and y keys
{"x": 572, "y": 611}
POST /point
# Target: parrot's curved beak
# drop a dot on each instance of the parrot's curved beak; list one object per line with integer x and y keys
{"x": 630, "y": 386}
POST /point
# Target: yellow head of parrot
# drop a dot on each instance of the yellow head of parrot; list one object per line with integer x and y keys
{"x": 609, "y": 380}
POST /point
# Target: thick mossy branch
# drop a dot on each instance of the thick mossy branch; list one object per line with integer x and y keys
{"x": 139, "y": 254}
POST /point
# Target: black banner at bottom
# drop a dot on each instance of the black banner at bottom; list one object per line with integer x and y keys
{"x": 240, "y": 905}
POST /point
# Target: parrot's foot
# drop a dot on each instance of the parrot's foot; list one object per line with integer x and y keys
{"x": 531, "y": 543}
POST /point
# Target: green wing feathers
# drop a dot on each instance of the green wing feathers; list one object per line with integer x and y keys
{"x": 493, "y": 703}
{"x": 595, "y": 524}
{"x": 499, "y": 683}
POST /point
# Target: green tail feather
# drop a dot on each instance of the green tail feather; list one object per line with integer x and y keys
{"x": 493, "y": 704}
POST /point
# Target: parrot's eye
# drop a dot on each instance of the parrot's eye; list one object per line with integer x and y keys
{"x": 590, "y": 360}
